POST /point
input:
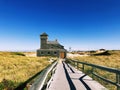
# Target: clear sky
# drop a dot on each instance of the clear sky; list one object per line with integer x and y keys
{"x": 79, "y": 24}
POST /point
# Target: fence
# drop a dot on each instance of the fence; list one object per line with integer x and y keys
{"x": 41, "y": 80}
{"x": 112, "y": 70}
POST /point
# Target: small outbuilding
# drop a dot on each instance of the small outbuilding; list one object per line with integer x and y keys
{"x": 50, "y": 48}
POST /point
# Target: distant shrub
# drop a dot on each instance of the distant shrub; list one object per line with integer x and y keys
{"x": 6, "y": 85}
{"x": 18, "y": 53}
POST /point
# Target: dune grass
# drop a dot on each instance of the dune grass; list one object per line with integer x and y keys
{"x": 15, "y": 68}
{"x": 112, "y": 61}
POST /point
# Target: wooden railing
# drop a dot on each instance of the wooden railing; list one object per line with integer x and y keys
{"x": 41, "y": 80}
{"x": 111, "y": 70}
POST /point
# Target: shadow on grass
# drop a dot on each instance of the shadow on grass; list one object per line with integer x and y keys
{"x": 10, "y": 85}
{"x": 23, "y": 85}
{"x": 7, "y": 85}
{"x": 106, "y": 53}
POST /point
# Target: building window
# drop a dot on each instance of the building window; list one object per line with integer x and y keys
{"x": 55, "y": 53}
{"x": 42, "y": 53}
{"x": 48, "y": 52}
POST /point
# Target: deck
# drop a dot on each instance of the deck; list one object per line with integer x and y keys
{"x": 67, "y": 77}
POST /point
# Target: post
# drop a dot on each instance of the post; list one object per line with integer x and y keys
{"x": 77, "y": 65}
{"x": 118, "y": 81}
{"x": 28, "y": 86}
{"x": 51, "y": 72}
{"x": 74, "y": 63}
{"x": 92, "y": 72}
{"x": 83, "y": 67}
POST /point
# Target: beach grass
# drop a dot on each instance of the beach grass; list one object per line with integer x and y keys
{"x": 16, "y": 68}
{"x": 112, "y": 61}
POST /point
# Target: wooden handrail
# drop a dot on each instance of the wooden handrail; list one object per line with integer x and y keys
{"x": 112, "y": 70}
{"x": 39, "y": 83}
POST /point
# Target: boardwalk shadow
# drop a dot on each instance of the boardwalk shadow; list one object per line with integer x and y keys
{"x": 81, "y": 79}
{"x": 72, "y": 87}
{"x": 23, "y": 85}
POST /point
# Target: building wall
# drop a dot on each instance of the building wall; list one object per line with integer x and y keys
{"x": 43, "y": 42}
{"x": 51, "y": 48}
{"x": 48, "y": 53}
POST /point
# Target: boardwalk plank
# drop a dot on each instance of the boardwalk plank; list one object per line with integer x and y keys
{"x": 78, "y": 79}
{"x": 59, "y": 80}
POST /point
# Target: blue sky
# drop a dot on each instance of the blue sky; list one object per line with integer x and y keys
{"x": 79, "y": 24}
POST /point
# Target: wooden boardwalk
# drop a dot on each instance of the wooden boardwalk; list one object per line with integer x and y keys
{"x": 67, "y": 77}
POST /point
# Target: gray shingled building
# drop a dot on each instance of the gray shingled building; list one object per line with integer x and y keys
{"x": 50, "y": 48}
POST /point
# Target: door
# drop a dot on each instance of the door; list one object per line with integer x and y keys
{"x": 62, "y": 55}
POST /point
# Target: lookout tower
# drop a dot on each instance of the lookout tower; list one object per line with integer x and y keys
{"x": 50, "y": 48}
{"x": 43, "y": 38}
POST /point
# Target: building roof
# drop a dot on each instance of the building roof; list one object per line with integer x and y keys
{"x": 44, "y": 34}
{"x": 52, "y": 42}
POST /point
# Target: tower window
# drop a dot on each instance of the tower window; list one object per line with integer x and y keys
{"x": 55, "y": 53}
{"x": 48, "y": 52}
{"x": 42, "y": 53}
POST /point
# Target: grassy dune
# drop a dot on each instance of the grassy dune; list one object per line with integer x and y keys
{"x": 112, "y": 60}
{"x": 16, "y": 68}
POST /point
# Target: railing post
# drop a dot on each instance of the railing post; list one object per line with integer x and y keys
{"x": 28, "y": 86}
{"x": 93, "y": 72}
{"x": 77, "y": 65}
{"x": 118, "y": 80}
{"x": 74, "y": 63}
{"x": 51, "y": 72}
{"x": 83, "y": 67}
